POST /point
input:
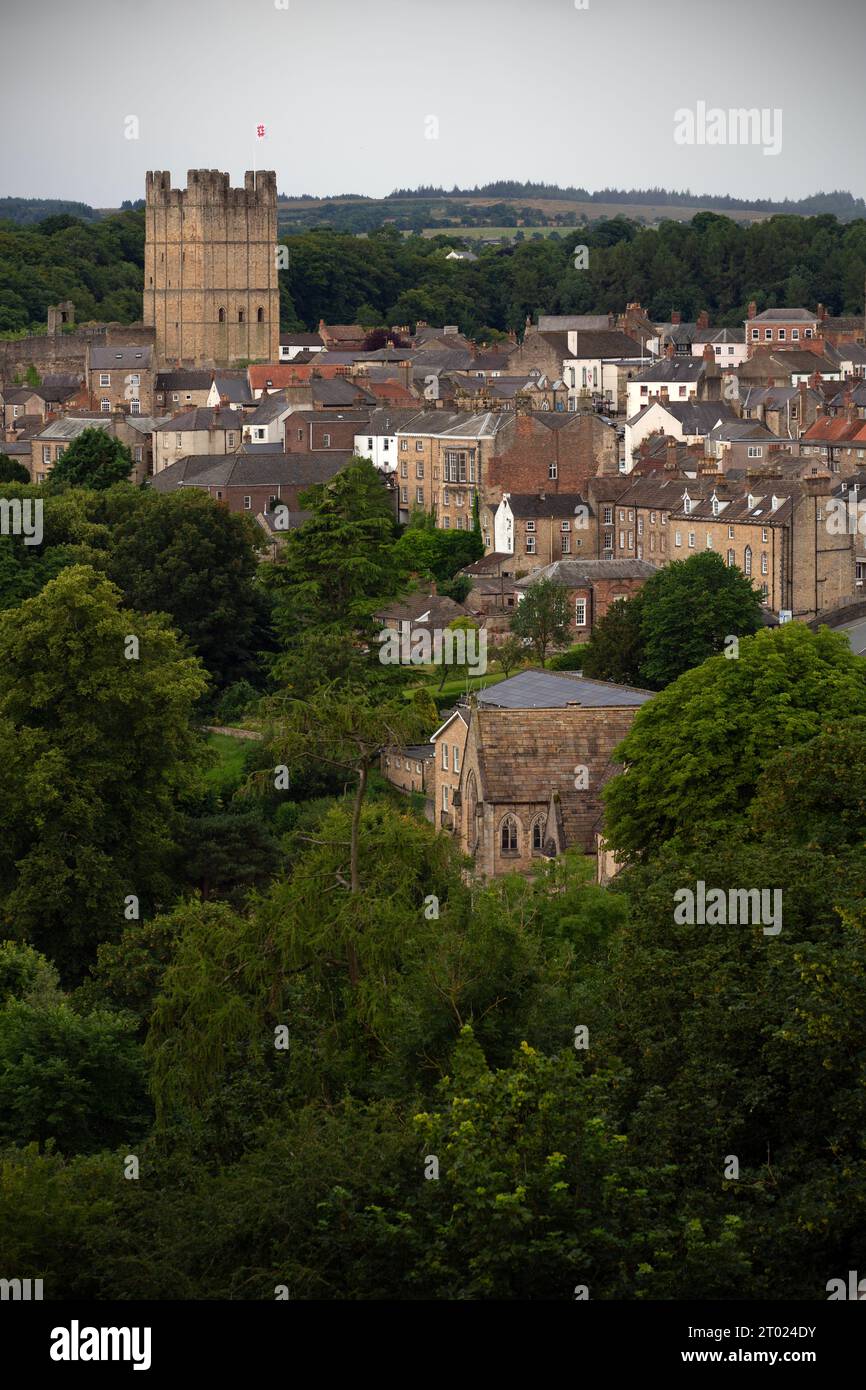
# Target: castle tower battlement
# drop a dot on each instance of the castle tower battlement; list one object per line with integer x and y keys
{"x": 211, "y": 288}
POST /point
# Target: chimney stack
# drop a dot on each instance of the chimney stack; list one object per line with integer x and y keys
{"x": 669, "y": 350}
{"x": 676, "y": 316}
{"x": 753, "y": 309}
{"x": 703, "y": 319}
{"x": 671, "y": 457}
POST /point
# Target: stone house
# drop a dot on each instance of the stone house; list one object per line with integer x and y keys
{"x": 181, "y": 389}
{"x": 539, "y": 749}
{"x": 121, "y": 378}
{"x": 777, "y": 533}
{"x": 442, "y": 460}
{"x": 448, "y": 744}
{"x": 309, "y": 431}
{"x": 538, "y": 529}
{"x": 593, "y": 586}
{"x": 410, "y": 769}
{"x": 252, "y": 483}
{"x": 203, "y": 430}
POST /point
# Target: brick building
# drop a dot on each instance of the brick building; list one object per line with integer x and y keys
{"x": 540, "y": 528}
{"x": 550, "y": 452}
{"x": 593, "y": 586}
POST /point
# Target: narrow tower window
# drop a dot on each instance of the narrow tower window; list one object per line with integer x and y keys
{"x": 222, "y": 315}
{"x": 261, "y": 315}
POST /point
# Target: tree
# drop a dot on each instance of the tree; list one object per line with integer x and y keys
{"x": 687, "y": 610}
{"x": 696, "y": 750}
{"x": 11, "y": 471}
{"x": 543, "y": 616}
{"x": 93, "y": 459}
{"x": 615, "y": 650}
{"x": 95, "y": 703}
{"x": 181, "y": 553}
{"x": 510, "y": 653}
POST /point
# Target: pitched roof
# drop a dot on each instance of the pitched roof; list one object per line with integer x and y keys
{"x": 119, "y": 357}
{"x": 265, "y": 469}
{"x": 785, "y": 316}
{"x": 202, "y": 417}
{"x": 580, "y": 574}
{"x": 525, "y": 504}
{"x": 182, "y": 379}
{"x": 546, "y": 690}
{"x": 604, "y": 343}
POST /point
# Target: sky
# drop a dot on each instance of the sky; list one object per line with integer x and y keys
{"x": 362, "y": 96}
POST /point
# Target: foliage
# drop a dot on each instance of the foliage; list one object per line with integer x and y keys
{"x": 543, "y": 616}
{"x": 93, "y": 459}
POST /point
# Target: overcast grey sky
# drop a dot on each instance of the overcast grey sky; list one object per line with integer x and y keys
{"x": 523, "y": 89}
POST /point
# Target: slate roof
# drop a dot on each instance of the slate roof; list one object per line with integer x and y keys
{"x": 579, "y": 574}
{"x": 546, "y": 690}
{"x": 201, "y": 417}
{"x": 673, "y": 369}
{"x": 118, "y": 357}
{"x": 265, "y": 469}
{"x": 301, "y": 340}
{"x": 422, "y": 610}
{"x": 551, "y": 504}
{"x": 695, "y": 417}
{"x": 183, "y": 380}
{"x": 603, "y": 343}
{"x": 785, "y": 316}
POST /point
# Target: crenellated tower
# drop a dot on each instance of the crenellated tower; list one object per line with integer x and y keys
{"x": 210, "y": 279}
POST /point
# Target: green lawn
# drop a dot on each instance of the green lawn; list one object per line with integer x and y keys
{"x": 227, "y": 771}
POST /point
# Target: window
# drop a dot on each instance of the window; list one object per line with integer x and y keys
{"x": 138, "y": 453}
{"x": 768, "y": 334}
{"x": 445, "y": 798}
{"x": 419, "y": 496}
{"x": 566, "y": 545}
{"x": 404, "y": 444}
{"x": 230, "y": 439}
{"x": 747, "y": 560}
{"x": 46, "y": 453}
{"x": 765, "y": 593}
{"x": 755, "y": 452}
{"x": 631, "y": 540}
{"x": 530, "y": 545}
{"x": 530, "y": 525}
{"x": 709, "y": 540}
{"x": 222, "y": 316}
{"x": 782, "y": 335}
{"x": 765, "y": 568}
{"x": 419, "y": 469}
{"x": 551, "y": 470}
{"x": 731, "y": 559}
{"x": 404, "y": 469}
{"x": 730, "y": 533}
{"x": 608, "y": 516}
{"x": 105, "y": 378}
{"x": 369, "y": 443}
{"x": 808, "y": 333}
{"x": 678, "y": 537}
{"x": 134, "y": 379}
{"x": 764, "y": 534}
{"x": 795, "y": 335}
{"x": 508, "y": 836}
{"x": 260, "y": 315}
{"x": 580, "y": 612}
{"x": 178, "y": 440}
{"x": 652, "y": 518}
{"x": 326, "y": 441}
{"x": 445, "y": 757}
{"x": 755, "y": 335}
{"x": 687, "y": 505}
{"x": 419, "y": 446}
{"x": 691, "y": 540}
{"x": 240, "y": 315}
{"x": 622, "y": 540}
{"x": 300, "y": 436}
{"x": 446, "y": 497}
{"x": 640, "y": 525}
{"x": 664, "y": 518}
{"x": 566, "y": 526}
{"x": 135, "y": 407}
{"x": 248, "y": 502}
{"x": 455, "y": 758}
{"x": 105, "y": 405}
{"x": 404, "y": 496}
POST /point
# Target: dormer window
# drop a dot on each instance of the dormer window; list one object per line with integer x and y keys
{"x": 714, "y": 503}
{"x": 687, "y": 504}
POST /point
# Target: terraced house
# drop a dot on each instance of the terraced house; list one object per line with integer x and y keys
{"x": 441, "y": 459}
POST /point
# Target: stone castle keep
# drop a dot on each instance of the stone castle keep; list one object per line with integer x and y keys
{"x": 210, "y": 276}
